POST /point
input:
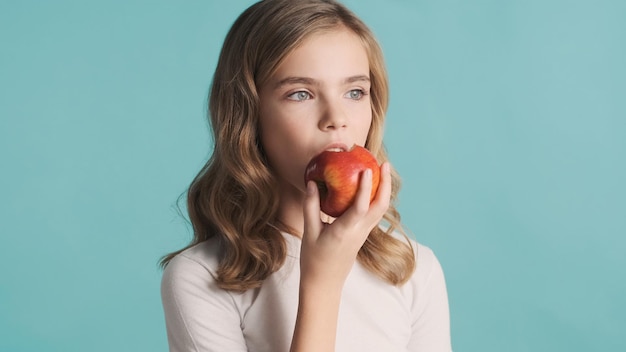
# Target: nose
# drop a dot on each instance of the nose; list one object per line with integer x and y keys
{"x": 333, "y": 116}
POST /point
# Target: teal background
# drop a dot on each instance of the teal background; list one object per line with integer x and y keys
{"x": 507, "y": 124}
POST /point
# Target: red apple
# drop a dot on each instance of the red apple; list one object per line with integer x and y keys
{"x": 337, "y": 175}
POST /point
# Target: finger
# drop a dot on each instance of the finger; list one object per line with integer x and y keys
{"x": 361, "y": 201}
{"x": 383, "y": 195}
{"x": 380, "y": 204}
{"x": 312, "y": 222}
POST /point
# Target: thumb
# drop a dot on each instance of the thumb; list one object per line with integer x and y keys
{"x": 312, "y": 222}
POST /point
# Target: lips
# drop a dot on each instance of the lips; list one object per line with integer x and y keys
{"x": 336, "y": 147}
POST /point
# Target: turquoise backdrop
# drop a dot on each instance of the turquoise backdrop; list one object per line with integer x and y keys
{"x": 507, "y": 124}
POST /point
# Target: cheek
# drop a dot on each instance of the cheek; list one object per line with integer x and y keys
{"x": 270, "y": 143}
{"x": 365, "y": 126}
{"x": 280, "y": 139}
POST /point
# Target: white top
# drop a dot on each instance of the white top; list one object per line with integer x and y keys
{"x": 373, "y": 316}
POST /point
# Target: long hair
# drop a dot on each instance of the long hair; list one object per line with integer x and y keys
{"x": 234, "y": 197}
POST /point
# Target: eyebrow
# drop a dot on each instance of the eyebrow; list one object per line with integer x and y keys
{"x": 311, "y": 81}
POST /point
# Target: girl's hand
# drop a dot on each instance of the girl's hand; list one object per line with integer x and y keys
{"x": 329, "y": 250}
{"x": 327, "y": 255}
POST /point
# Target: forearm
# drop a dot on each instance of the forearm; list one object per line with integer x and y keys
{"x": 316, "y": 323}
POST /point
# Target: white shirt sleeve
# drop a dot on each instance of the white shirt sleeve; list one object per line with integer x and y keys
{"x": 430, "y": 311}
{"x": 199, "y": 316}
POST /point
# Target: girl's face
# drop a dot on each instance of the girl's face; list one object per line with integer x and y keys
{"x": 318, "y": 99}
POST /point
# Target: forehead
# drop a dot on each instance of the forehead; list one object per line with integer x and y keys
{"x": 329, "y": 54}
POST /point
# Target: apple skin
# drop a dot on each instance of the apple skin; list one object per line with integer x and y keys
{"x": 337, "y": 175}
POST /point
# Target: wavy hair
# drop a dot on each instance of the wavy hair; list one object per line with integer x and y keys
{"x": 234, "y": 197}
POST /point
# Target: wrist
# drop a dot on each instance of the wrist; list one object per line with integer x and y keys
{"x": 316, "y": 323}
{"x": 320, "y": 288}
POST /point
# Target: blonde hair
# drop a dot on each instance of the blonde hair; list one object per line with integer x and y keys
{"x": 234, "y": 197}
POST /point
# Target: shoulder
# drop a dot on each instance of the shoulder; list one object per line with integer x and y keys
{"x": 204, "y": 254}
{"x": 192, "y": 301}
{"x": 427, "y": 265}
{"x": 425, "y": 258}
{"x": 426, "y": 262}
{"x": 193, "y": 268}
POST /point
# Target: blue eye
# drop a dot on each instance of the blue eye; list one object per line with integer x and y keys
{"x": 299, "y": 96}
{"x": 355, "y": 94}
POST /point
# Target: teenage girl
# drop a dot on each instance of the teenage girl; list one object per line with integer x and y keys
{"x": 266, "y": 269}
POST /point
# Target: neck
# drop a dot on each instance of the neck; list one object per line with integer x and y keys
{"x": 290, "y": 209}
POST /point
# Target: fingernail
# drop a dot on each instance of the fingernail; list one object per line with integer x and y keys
{"x": 310, "y": 188}
{"x": 368, "y": 173}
